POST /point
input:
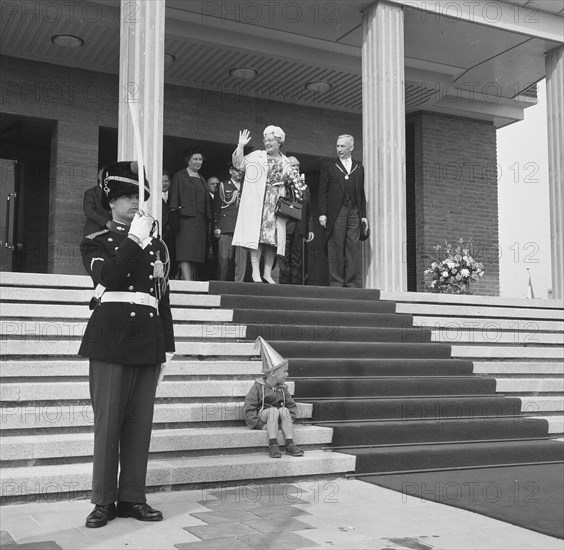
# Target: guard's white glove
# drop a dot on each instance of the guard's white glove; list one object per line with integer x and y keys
{"x": 141, "y": 227}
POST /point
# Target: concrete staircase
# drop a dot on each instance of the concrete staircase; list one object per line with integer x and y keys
{"x": 517, "y": 341}
{"x": 401, "y": 396}
{"x": 199, "y": 435}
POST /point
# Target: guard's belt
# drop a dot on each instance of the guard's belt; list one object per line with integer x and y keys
{"x": 139, "y": 298}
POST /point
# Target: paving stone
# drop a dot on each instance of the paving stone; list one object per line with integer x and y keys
{"x": 278, "y": 512}
{"x": 226, "y": 515}
{"x": 6, "y": 539}
{"x": 241, "y": 504}
{"x": 278, "y": 541}
{"x": 221, "y": 530}
{"x": 277, "y": 525}
{"x": 43, "y": 545}
{"x": 251, "y": 504}
{"x": 215, "y": 544}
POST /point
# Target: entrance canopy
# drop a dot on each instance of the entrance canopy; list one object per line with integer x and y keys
{"x": 474, "y": 59}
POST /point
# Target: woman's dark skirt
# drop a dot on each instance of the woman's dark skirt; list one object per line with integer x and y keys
{"x": 191, "y": 238}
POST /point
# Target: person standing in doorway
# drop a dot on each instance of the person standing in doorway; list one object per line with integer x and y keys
{"x": 209, "y": 269}
{"x": 97, "y": 216}
{"x": 232, "y": 260}
{"x": 167, "y": 232}
{"x": 342, "y": 210}
{"x": 292, "y": 263}
{"x": 190, "y": 213}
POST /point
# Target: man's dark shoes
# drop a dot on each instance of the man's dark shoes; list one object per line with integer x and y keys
{"x": 101, "y": 515}
{"x": 141, "y": 511}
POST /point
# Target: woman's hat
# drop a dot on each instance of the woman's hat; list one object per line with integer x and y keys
{"x": 191, "y": 151}
{"x": 119, "y": 179}
{"x": 271, "y": 359}
{"x": 276, "y": 131}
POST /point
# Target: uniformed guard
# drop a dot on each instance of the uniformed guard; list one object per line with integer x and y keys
{"x": 127, "y": 339}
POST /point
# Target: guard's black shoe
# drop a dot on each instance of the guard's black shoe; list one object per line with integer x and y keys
{"x": 101, "y": 515}
{"x": 140, "y": 510}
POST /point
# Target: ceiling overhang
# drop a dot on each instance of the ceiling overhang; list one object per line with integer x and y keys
{"x": 455, "y": 65}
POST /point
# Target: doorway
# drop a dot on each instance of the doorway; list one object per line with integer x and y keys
{"x": 216, "y": 163}
{"x": 24, "y": 192}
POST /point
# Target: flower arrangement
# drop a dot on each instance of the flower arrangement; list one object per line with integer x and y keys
{"x": 295, "y": 182}
{"x": 453, "y": 268}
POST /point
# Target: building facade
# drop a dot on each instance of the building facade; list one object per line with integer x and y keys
{"x": 423, "y": 87}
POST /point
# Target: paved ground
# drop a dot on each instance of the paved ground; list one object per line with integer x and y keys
{"x": 338, "y": 514}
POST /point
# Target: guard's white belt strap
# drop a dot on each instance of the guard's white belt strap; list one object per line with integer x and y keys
{"x": 139, "y": 298}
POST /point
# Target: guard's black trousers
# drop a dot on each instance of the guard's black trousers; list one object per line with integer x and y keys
{"x": 123, "y": 398}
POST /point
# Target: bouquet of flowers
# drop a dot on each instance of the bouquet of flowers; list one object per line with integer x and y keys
{"x": 295, "y": 182}
{"x": 453, "y": 268}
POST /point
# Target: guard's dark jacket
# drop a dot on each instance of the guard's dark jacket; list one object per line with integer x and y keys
{"x": 120, "y": 332}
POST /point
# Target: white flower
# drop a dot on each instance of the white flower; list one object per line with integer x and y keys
{"x": 465, "y": 272}
{"x": 445, "y": 274}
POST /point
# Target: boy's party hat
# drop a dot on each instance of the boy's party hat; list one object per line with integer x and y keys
{"x": 271, "y": 359}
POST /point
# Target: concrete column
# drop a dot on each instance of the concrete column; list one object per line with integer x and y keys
{"x": 141, "y": 82}
{"x": 383, "y": 131}
{"x": 74, "y": 168}
{"x": 555, "y": 112}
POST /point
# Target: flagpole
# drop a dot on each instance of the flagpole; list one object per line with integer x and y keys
{"x": 139, "y": 153}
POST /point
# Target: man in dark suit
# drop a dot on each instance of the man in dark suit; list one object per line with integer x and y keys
{"x": 97, "y": 216}
{"x": 232, "y": 260}
{"x": 166, "y": 231}
{"x": 291, "y": 264}
{"x": 127, "y": 339}
{"x": 342, "y": 209}
{"x": 209, "y": 270}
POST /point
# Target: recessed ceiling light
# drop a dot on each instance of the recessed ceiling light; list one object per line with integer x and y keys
{"x": 244, "y": 73}
{"x": 169, "y": 58}
{"x": 67, "y": 40}
{"x": 319, "y": 87}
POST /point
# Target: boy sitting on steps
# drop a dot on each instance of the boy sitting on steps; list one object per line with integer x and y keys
{"x": 269, "y": 403}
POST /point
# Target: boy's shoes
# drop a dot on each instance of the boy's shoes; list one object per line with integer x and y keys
{"x": 293, "y": 450}
{"x": 274, "y": 451}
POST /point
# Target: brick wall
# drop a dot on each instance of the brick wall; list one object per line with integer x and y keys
{"x": 456, "y": 188}
{"x": 60, "y": 93}
{"x": 456, "y": 191}
{"x": 81, "y": 101}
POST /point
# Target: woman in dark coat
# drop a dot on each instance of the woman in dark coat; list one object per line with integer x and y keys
{"x": 190, "y": 202}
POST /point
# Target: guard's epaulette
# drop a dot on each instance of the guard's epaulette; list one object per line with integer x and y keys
{"x": 94, "y": 235}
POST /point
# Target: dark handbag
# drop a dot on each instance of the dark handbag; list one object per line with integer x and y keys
{"x": 364, "y": 231}
{"x": 174, "y": 221}
{"x": 289, "y": 208}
